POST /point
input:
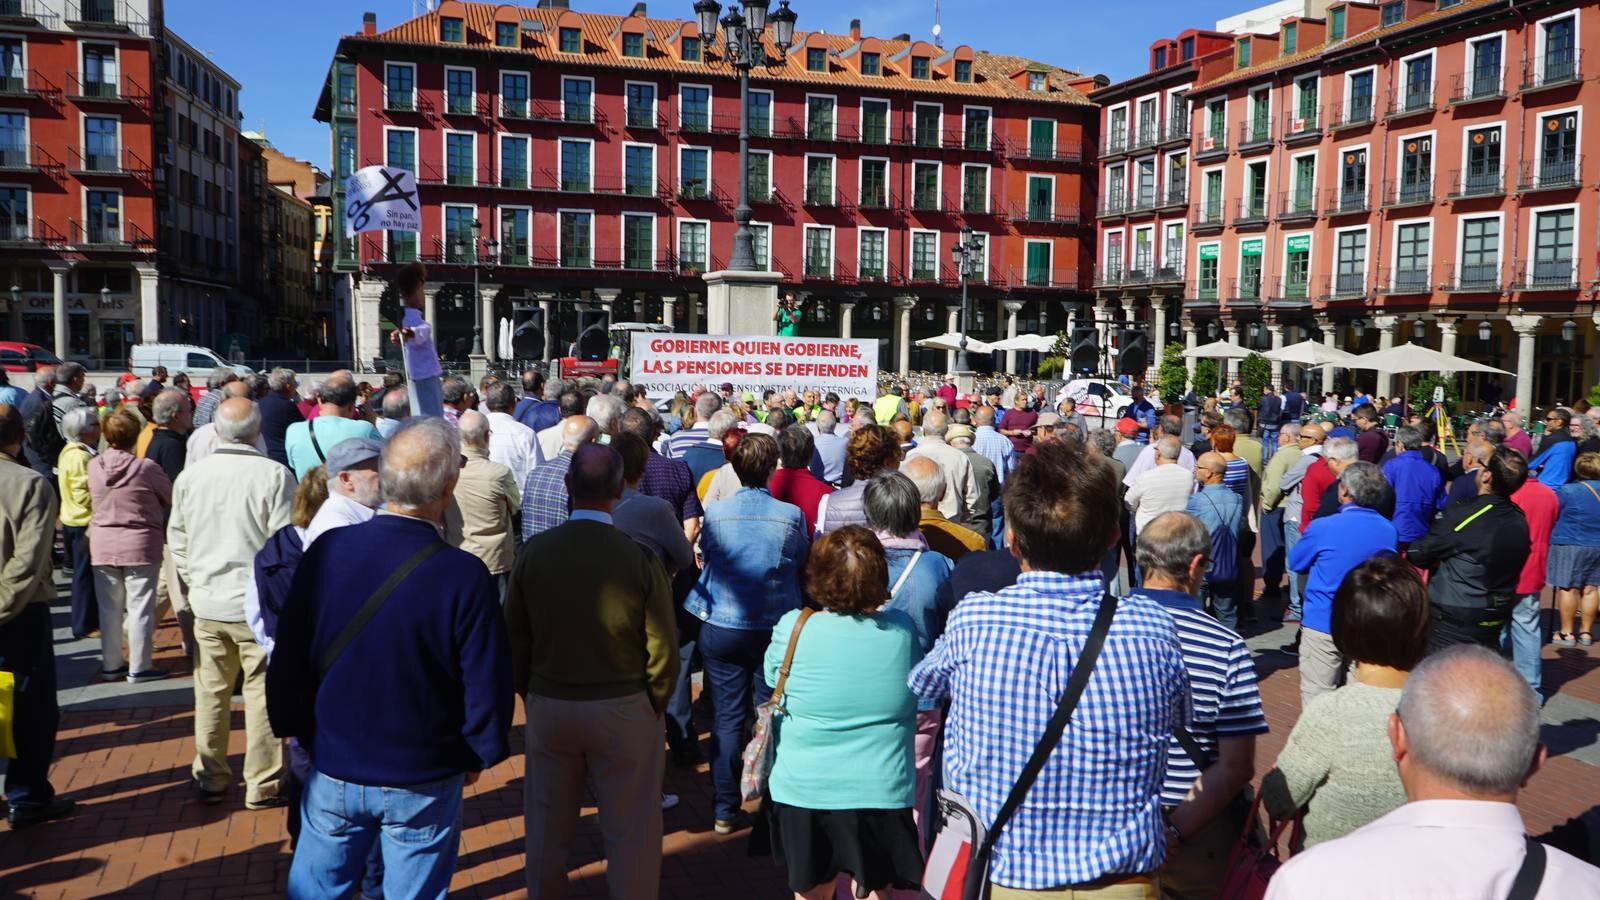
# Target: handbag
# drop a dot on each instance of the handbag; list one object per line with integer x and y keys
{"x": 1252, "y": 861}
{"x": 757, "y": 757}
{"x": 958, "y": 864}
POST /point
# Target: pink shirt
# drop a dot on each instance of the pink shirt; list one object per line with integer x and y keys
{"x": 1521, "y": 443}
{"x": 1430, "y": 848}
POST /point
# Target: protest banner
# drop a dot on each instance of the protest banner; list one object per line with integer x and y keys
{"x": 666, "y": 363}
{"x": 380, "y": 198}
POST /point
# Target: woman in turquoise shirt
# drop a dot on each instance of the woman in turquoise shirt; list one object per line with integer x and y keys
{"x": 841, "y": 787}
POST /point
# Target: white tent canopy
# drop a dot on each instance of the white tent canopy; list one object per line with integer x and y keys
{"x": 1310, "y": 353}
{"x": 952, "y": 341}
{"x": 1218, "y": 350}
{"x": 1038, "y": 343}
{"x": 1409, "y": 357}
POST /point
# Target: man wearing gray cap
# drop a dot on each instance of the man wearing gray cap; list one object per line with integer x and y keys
{"x": 354, "y": 492}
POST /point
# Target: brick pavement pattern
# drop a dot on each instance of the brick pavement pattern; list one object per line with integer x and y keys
{"x": 124, "y": 753}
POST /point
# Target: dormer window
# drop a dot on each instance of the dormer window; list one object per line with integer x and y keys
{"x": 963, "y": 71}
{"x": 1244, "y": 53}
{"x": 505, "y": 34}
{"x": 571, "y": 40}
{"x": 1186, "y": 49}
{"x": 919, "y": 67}
{"x": 1159, "y": 60}
{"x": 871, "y": 64}
{"x": 816, "y": 59}
{"x": 691, "y": 49}
{"x": 633, "y": 45}
{"x": 1392, "y": 13}
{"x": 1336, "y": 24}
{"x": 1290, "y": 38}
{"x": 1037, "y": 82}
{"x": 452, "y": 30}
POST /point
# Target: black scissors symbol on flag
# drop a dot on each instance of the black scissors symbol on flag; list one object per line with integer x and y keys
{"x": 360, "y": 213}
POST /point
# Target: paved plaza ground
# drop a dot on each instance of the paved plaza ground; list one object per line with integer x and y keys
{"x": 124, "y": 753}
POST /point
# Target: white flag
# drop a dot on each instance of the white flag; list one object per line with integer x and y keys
{"x": 380, "y": 198}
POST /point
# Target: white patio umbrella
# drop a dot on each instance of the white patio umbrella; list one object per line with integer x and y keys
{"x": 1218, "y": 350}
{"x": 1310, "y": 353}
{"x": 1038, "y": 343}
{"x": 1408, "y": 358}
{"x": 952, "y": 341}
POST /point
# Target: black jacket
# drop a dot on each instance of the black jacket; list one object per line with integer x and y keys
{"x": 167, "y": 449}
{"x": 1476, "y": 551}
{"x": 1270, "y": 413}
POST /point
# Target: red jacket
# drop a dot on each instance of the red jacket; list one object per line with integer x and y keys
{"x": 1539, "y": 506}
{"x": 800, "y": 488}
{"x": 1312, "y": 487}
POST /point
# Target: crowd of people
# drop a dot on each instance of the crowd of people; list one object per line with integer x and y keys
{"x": 921, "y": 571}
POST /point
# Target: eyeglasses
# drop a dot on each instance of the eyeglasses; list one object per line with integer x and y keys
{"x": 1305, "y": 437}
{"x": 1206, "y": 565}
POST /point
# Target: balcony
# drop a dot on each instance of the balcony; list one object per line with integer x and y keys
{"x": 17, "y": 157}
{"x": 1145, "y": 200}
{"x": 927, "y": 273}
{"x": 1546, "y": 275}
{"x": 14, "y": 229}
{"x": 1289, "y": 291}
{"x": 1297, "y": 206}
{"x": 30, "y": 85}
{"x": 1556, "y": 68}
{"x": 105, "y": 15}
{"x": 1112, "y": 275}
{"x": 641, "y": 119}
{"x": 1553, "y": 174}
{"x": 1477, "y": 86}
{"x": 1211, "y": 146}
{"x": 1255, "y": 135}
{"x": 1206, "y": 216}
{"x": 1112, "y": 205}
{"x": 1176, "y": 132}
{"x": 107, "y": 161}
{"x": 467, "y": 105}
{"x": 1169, "y": 272}
{"x": 1397, "y": 194}
{"x": 1141, "y": 272}
{"x": 1244, "y": 290}
{"x": 414, "y": 102}
{"x": 1060, "y": 152}
{"x": 1145, "y": 136}
{"x": 1345, "y": 286}
{"x": 27, "y": 12}
{"x": 85, "y": 90}
{"x": 974, "y": 204}
{"x": 1304, "y": 127}
{"x": 109, "y": 235}
{"x": 926, "y": 201}
{"x": 523, "y": 254}
{"x": 1044, "y": 214}
{"x": 1032, "y": 278}
{"x": 1113, "y": 145}
{"x": 1479, "y": 278}
{"x": 877, "y": 197}
{"x": 1402, "y": 280}
{"x": 1467, "y": 184}
{"x": 1206, "y": 291}
{"x": 1346, "y": 203}
{"x": 1176, "y": 196}
{"x": 1357, "y": 114}
{"x": 1252, "y": 213}
{"x": 821, "y": 194}
{"x": 1410, "y": 102}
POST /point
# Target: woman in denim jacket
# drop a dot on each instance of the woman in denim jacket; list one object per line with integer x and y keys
{"x": 754, "y": 549}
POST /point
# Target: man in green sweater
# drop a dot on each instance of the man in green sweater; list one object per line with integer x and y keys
{"x": 594, "y": 651}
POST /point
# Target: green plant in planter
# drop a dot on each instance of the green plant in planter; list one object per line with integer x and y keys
{"x": 1205, "y": 377}
{"x": 1422, "y": 391}
{"x": 1255, "y": 373}
{"x": 1173, "y": 375}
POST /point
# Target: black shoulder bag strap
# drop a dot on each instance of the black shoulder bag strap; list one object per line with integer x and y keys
{"x": 370, "y": 608}
{"x": 1526, "y": 885}
{"x": 1191, "y": 747}
{"x": 1076, "y": 682}
{"x": 311, "y": 429}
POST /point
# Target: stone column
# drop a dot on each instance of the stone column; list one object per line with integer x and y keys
{"x": 607, "y": 297}
{"x": 1386, "y": 326}
{"x": 1330, "y": 338}
{"x": 847, "y": 309}
{"x": 366, "y": 322}
{"x": 547, "y": 313}
{"x": 904, "y": 304}
{"x": 491, "y": 347}
{"x": 1275, "y": 328}
{"x": 1447, "y": 336}
{"x": 1158, "y": 335}
{"x": 1191, "y": 340}
{"x": 58, "y": 309}
{"x": 149, "y": 313}
{"x": 1012, "y": 307}
{"x": 1527, "y": 329}
{"x": 669, "y": 310}
{"x": 952, "y": 326}
{"x": 430, "y": 305}
{"x": 693, "y": 307}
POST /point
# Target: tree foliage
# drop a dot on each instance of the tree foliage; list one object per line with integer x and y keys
{"x": 1205, "y": 377}
{"x": 1422, "y": 391}
{"x": 1173, "y": 374}
{"x": 1255, "y": 373}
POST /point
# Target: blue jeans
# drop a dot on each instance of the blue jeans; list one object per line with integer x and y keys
{"x": 733, "y": 661}
{"x": 997, "y": 527}
{"x": 1220, "y": 597}
{"x": 418, "y": 828}
{"x": 427, "y": 396}
{"x": 1291, "y": 536}
{"x": 1523, "y": 636}
{"x": 1269, "y": 442}
{"x": 85, "y": 605}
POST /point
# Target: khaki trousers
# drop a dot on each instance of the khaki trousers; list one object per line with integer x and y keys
{"x": 224, "y": 648}
{"x": 170, "y": 595}
{"x": 1321, "y": 665}
{"x": 1148, "y": 890}
{"x": 617, "y": 744}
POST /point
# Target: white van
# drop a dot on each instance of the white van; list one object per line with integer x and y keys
{"x": 186, "y": 358}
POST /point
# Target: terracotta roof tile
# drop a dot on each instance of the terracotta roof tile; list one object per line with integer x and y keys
{"x": 991, "y": 72}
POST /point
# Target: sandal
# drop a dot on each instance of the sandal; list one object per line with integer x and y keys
{"x": 1585, "y": 638}
{"x": 1564, "y": 638}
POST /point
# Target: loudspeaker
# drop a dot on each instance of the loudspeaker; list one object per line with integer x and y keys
{"x": 594, "y": 337}
{"x": 527, "y": 332}
{"x": 1085, "y": 359}
{"x": 1134, "y": 353}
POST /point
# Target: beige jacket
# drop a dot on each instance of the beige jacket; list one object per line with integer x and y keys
{"x": 28, "y": 512}
{"x": 224, "y": 508}
{"x": 483, "y": 512}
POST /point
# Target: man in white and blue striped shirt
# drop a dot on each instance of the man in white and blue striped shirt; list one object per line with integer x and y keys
{"x": 1204, "y": 809}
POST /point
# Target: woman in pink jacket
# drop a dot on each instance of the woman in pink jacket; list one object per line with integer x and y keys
{"x": 131, "y": 497}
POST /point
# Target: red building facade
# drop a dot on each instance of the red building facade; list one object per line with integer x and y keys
{"x": 601, "y": 154}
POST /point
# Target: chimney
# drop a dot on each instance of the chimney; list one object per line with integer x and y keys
{"x": 369, "y": 23}
{"x": 903, "y": 36}
{"x": 638, "y": 10}
{"x": 855, "y": 29}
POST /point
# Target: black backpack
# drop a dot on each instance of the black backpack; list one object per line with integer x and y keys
{"x": 44, "y": 438}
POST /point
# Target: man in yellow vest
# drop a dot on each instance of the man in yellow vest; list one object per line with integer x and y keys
{"x": 885, "y": 408}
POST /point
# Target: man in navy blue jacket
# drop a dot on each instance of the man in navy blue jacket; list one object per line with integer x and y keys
{"x": 417, "y": 703}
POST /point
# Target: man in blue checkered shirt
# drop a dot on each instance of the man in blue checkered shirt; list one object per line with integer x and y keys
{"x": 545, "y": 503}
{"x": 1092, "y": 821}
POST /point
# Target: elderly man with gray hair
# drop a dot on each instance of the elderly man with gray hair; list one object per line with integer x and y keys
{"x": 1465, "y": 739}
{"x": 224, "y": 508}
{"x": 279, "y": 408}
{"x": 606, "y": 411}
{"x": 396, "y": 409}
{"x": 830, "y": 445}
{"x": 170, "y": 411}
{"x": 706, "y": 405}
{"x": 482, "y": 521}
{"x": 961, "y": 496}
{"x": 207, "y": 407}
{"x": 943, "y": 535}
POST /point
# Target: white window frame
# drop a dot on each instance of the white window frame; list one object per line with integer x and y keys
{"x": 772, "y": 187}
{"x": 1155, "y": 179}
{"x": 444, "y": 89}
{"x": 938, "y": 185}
{"x": 771, "y": 105}
{"x": 988, "y": 185}
{"x": 500, "y": 154}
{"x": 1394, "y": 245}
{"x": 707, "y": 151}
{"x": 1260, "y": 90}
{"x": 1165, "y": 183}
{"x": 711, "y": 102}
{"x": 1149, "y": 228}
{"x": 1466, "y": 143}
{"x": 515, "y": 207}
{"x": 1500, "y": 243}
{"x": 655, "y": 238}
{"x": 833, "y": 174}
{"x": 83, "y": 132}
{"x": 1222, "y": 195}
{"x": 766, "y": 260}
{"x": 655, "y": 99}
{"x": 83, "y": 207}
{"x": 444, "y": 152}
{"x": 399, "y": 65}
{"x": 563, "y": 86}
{"x": 1183, "y": 245}
{"x": 1539, "y": 37}
{"x": 27, "y": 193}
{"x": 1316, "y": 170}
{"x": 833, "y": 123}
{"x": 444, "y": 223}
{"x": 1126, "y": 108}
{"x": 882, "y": 232}
{"x": 1471, "y": 44}
{"x": 1050, "y": 267}
{"x": 861, "y": 119}
{"x": 1133, "y": 122}
{"x": 1105, "y": 249}
{"x": 833, "y": 248}
{"x": 1198, "y": 247}
{"x": 1366, "y": 255}
{"x": 85, "y": 44}
{"x": 1297, "y": 86}
{"x": 861, "y": 183}
{"x": 1433, "y": 161}
{"x": 987, "y": 239}
{"x": 560, "y": 145}
{"x": 1120, "y": 166}
{"x": 988, "y": 137}
{"x": 1577, "y": 225}
{"x": 593, "y": 249}
{"x": 1539, "y": 117}
{"x": 500, "y": 92}
{"x": 1402, "y": 72}
{"x": 1027, "y": 186}
{"x": 1055, "y": 126}
{"x": 416, "y": 144}
{"x": 1350, "y": 77}
{"x": 911, "y": 253}
{"x": 1339, "y": 170}
{"x": 655, "y": 164}
{"x": 938, "y": 133}
{"x": 1206, "y": 129}
{"x": 677, "y": 238}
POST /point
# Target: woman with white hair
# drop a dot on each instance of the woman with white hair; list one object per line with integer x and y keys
{"x": 81, "y": 428}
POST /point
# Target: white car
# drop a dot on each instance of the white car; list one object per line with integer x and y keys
{"x": 1097, "y": 398}
{"x": 186, "y": 358}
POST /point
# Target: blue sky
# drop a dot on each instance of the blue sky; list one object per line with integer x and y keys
{"x": 279, "y": 51}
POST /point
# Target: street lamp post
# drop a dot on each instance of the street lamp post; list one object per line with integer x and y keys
{"x": 479, "y": 259}
{"x": 966, "y": 255}
{"x": 744, "y": 51}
